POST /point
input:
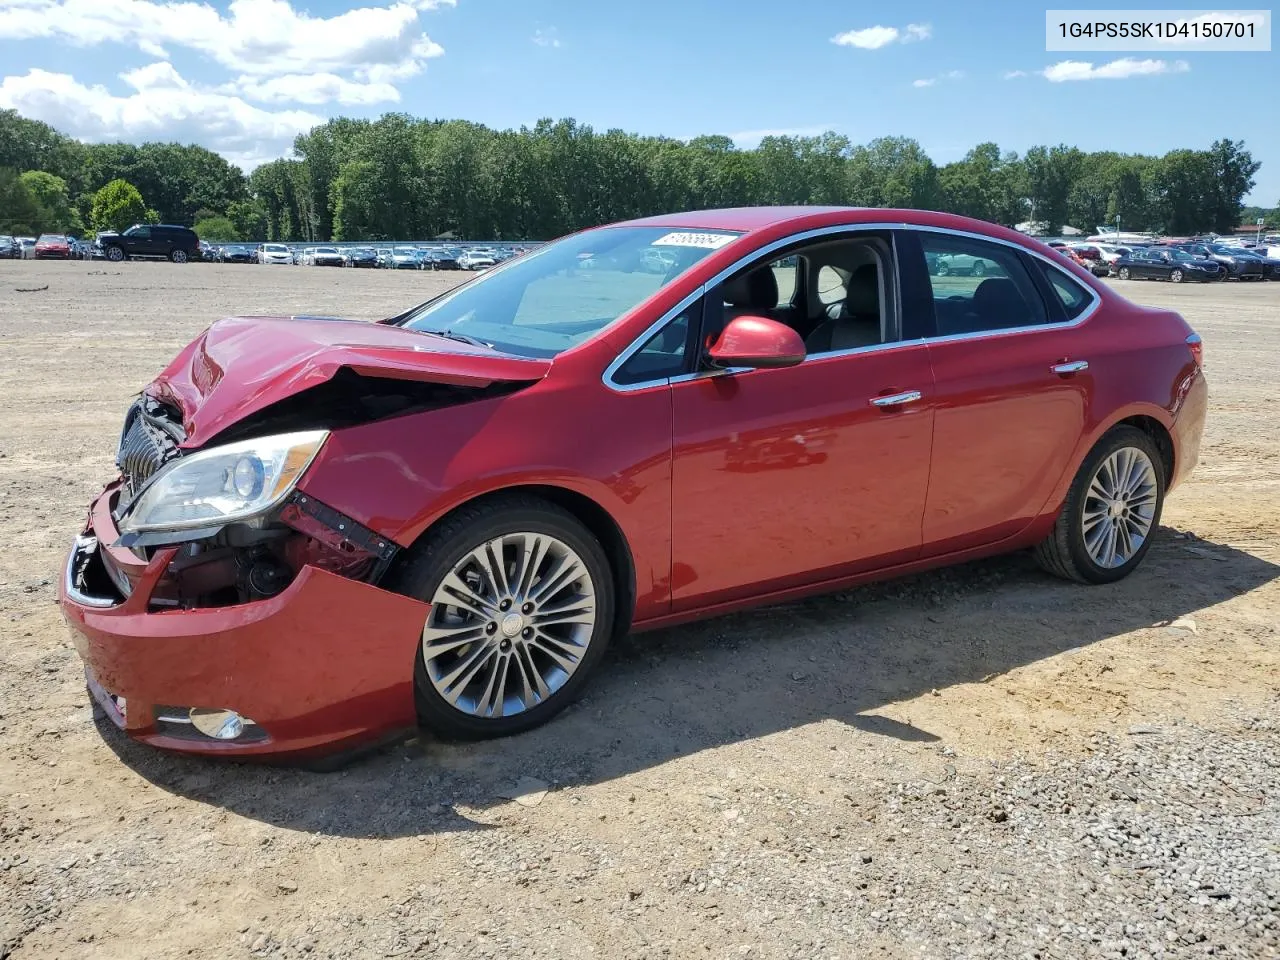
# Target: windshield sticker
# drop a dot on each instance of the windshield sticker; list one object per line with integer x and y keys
{"x": 704, "y": 241}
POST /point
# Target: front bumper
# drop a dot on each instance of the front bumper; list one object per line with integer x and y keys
{"x": 325, "y": 665}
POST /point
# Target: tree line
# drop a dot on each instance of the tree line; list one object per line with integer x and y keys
{"x": 399, "y": 177}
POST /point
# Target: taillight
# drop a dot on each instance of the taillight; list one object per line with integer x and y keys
{"x": 1196, "y": 345}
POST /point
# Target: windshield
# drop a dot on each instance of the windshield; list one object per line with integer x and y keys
{"x": 326, "y": 250}
{"x": 567, "y": 291}
{"x": 275, "y": 248}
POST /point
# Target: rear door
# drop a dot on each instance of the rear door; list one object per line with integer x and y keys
{"x": 1011, "y": 395}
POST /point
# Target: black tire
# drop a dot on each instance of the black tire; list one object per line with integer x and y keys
{"x": 116, "y": 254}
{"x": 1176, "y": 276}
{"x": 445, "y": 546}
{"x": 178, "y": 256}
{"x": 1063, "y": 552}
{"x": 943, "y": 270}
{"x": 979, "y": 268}
{"x": 1123, "y": 273}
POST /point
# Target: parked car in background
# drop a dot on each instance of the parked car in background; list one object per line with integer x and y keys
{"x": 958, "y": 264}
{"x": 362, "y": 257}
{"x": 384, "y": 256}
{"x": 53, "y": 246}
{"x": 179, "y": 244}
{"x": 239, "y": 253}
{"x": 476, "y": 260}
{"x": 1270, "y": 264}
{"x": 445, "y": 258}
{"x": 275, "y": 253}
{"x": 1236, "y": 267}
{"x": 28, "y": 245}
{"x": 1154, "y": 263}
{"x": 326, "y": 257}
{"x": 10, "y": 248}
{"x": 394, "y": 528}
{"x": 405, "y": 258}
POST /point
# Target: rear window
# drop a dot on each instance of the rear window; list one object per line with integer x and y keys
{"x": 1070, "y": 293}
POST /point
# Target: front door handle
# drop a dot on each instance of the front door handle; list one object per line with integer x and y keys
{"x": 1069, "y": 367}
{"x": 896, "y": 399}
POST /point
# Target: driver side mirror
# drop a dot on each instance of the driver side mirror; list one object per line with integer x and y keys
{"x": 756, "y": 342}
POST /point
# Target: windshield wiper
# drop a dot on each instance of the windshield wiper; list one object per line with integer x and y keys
{"x": 460, "y": 337}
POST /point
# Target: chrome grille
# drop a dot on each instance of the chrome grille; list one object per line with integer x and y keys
{"x": 148, "y": 441}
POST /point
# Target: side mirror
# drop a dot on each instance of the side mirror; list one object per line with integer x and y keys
{"x": 756, "y": 342}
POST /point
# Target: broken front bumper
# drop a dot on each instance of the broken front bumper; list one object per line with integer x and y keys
{"x": 324, "y": 665}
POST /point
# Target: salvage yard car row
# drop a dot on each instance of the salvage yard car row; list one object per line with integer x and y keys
{"x": 388, "y": 257}
{"x": 1176, "y": 260}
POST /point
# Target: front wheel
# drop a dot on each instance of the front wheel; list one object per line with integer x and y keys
{"x": 1176, "y": 276}
{"x": 522, "y": 605}
{"x": 979, "y": 268}
{"x": 1123, "y": 273}
{"x": 1111, "y": 511}
{"x": 115, "y": 254}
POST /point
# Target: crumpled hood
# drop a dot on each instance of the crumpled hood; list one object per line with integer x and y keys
{"x": 241, "y": 365}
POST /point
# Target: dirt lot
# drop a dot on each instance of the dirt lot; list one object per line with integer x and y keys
{"x": 977, "y": 762}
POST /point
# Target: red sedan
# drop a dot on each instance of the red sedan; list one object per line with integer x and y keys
{"x": 325, "y": 532}
{"x": 53, "y": 246}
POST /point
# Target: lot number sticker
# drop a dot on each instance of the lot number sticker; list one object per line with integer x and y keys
{"x": 704, "y": 241}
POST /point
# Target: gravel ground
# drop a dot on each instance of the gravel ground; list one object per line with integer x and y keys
{"x": 978, "y": 762}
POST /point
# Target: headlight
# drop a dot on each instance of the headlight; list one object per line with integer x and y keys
{"x": 222, "y": 484}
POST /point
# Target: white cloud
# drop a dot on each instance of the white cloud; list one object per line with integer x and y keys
{"x": 950, "y": 75}
{"x": 254, "y": 37}
{"x": 548, "y": 37}
{"x": 1014, "y": 74}
{"x": 873, "y": 38}
{"x": 312, "y": 88}
{"x": 162, "y": 106}
{"x": 1120, "y": 69}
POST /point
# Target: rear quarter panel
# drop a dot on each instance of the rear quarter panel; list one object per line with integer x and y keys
{"x": 1140, "y": 365}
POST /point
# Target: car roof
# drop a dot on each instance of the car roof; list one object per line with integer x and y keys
{"x": 750, "y": 219}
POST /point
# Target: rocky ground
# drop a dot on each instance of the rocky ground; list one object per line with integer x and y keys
{"x": 977, "y": 762}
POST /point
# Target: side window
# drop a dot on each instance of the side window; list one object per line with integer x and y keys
{"x": 979, "y": 286}
{"x": 833, "y": 285}
{"x": 141, "y": 233}
{"x": 1073, "y": 297}
{"x": 784, "y": 271}
{"x": 663, "y": 354}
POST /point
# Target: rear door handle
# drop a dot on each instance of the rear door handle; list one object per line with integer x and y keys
{"x": 896, "y": 399}
{"x": 1068, "y": 368}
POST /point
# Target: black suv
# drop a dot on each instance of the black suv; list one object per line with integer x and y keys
{"x": 178, "y": 244}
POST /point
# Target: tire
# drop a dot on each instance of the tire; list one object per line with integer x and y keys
{"x": 115, "y": 254}
{"x": 178, "y": 256}
{"x": 1176, "y": 276}
{"x": 979, "y": 269}
{"x": 1123, "y": 273}
{"x": 447, "y": 552}
{"x": 943, "y": 270}
{"x": 1064, "y": 552}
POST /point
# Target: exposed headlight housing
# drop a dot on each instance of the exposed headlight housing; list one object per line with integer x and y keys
{"x": 220, "y": 485}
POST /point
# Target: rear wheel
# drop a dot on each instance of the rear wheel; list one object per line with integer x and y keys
{"x": 1111, "y": 511}
{"x": 979, "y": 268}
{"x": 178, "y": 256}
{"x": 521, "y": 612}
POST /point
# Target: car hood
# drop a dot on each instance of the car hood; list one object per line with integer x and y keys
{"x": 242, "y": 365}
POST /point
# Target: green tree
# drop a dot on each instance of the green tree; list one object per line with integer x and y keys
{"x": 51, "y": 194}
{"x": 20, "y": 211}
{"x": 249, "y": 218}
{"x": 117, "y": 206}
{"x": 217, "y": 230}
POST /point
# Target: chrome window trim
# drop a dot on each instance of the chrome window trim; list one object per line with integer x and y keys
{"x": 817, "y": 233}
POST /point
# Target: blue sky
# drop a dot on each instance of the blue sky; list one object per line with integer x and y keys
{"x": 243, "y": 77}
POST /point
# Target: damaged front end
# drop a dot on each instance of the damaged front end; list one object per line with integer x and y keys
{"x": 239, "y": 529}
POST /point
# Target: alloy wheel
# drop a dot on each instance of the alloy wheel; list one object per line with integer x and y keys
{"x": 1123, "y": 273}
{"x": 1176, "y": 276}
{"x": 1119, "y": 507}
{"x": 509, "y": 625}
{"x": 115, "y": 254}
